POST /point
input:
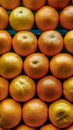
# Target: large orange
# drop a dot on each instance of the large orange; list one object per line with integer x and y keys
{"x": 34, "y": 4}
{"x": 10, "y": 65}
{"x": 61, "y": 65}
{"x": 49, "y": 127}
{"x": 24, "y": 43}
{"x": 70, "y": 128}
{"x": 50, "y": 42}
{"x": 3, "y": 18}
{"x": 66, "y": 17}
{"x": 5, "y": 41}
{"x": 23, "y": 127}
{"x": 10, "y": 113}
{"x": 35, "y": 113}
{"x": 61, "y": 113}
{"x": 21, "y": 18}
{"x": 36, "y": 65}
{"x": 46, "y": 18}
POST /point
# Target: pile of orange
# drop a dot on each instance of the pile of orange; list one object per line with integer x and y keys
{"x": 36, "y": 64}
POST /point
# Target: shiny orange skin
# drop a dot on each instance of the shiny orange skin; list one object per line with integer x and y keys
{"x": 23, "y": 127}
{"x": 49, "y": 127}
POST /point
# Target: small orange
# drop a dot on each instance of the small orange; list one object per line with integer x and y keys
{"x": 35, "y": 113}
{"x": 50, "y": 42}
{"x": 49, "y": 127}
{"x": 36, "y": 65}
{"x": 70, "y": 128}
{"x": 23, "y": 127}
{"x": 24, "y": 43}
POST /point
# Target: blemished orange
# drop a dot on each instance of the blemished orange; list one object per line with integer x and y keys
{"x": 21, "y": 18}
{"x": 4, "y": 87}
{"x": 66, "y": 17}
{"x": 49, "y": 127}
{"x": 3, "y": 18}
{"x": 5, "y": 41}
{"x": 10, "y": 113}
{"x": 61, "y": 65}
{"x": 58, "y": 4}
{"x": 22, "y": 88}
{"x": 68, "y": 41}
{"x": 10, "y": 65}
{"x": 23, "y": 127}
{"x": 68, "y": 89}
{"x": 50, "y": 42}
{"x": 35, "y": 113}
{"x": 9, "y": 4}
{"x": 46, "y": 18}
{"x": 24, "y": 43}
{"x": 34, "y": 5}
{"x": 70, "y": 128}
{"x": 36, "y": 65}
{"x": 49, "y": 89}
{"x": 61, "y": 113}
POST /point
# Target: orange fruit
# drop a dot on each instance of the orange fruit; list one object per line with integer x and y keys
{"x": 49, "y": 89}
{"x": 58, "y": 4}
{"x": 3, "y": 18}
{"x": 34, "y": 5}
{"x": 10, "y": 65}
{"x": 22, "y": 88}
{"x": 23, "y": 127}
{"x": 34, "y": 113}
{"x": 10, "y": 113}
{"x": 68, "y": 41}
{"x": 9, "y": 4}
{"x": 66, "y": 17}
{"x": 21, "y": 18}
{"x": 36, "y": 65}
{"x": 5, "y": 41}
{"x": 50, "y": 42}
{"x": 24, "y": 43}
{"x": 46, "y": 18}
{"x": 68, "y": 89}
{"x": 61, "y": 65}
{"x": 70, "y": 128}
{"x": 61, "y": 113}
{"x": 49, "y": 127}
{"x": 4, "y": 86}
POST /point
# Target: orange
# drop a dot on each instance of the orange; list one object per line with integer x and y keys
{"x": 4, "y": 86}
{"x": 36, "y": 65}
{"x": 61, "y": 65}
{"x": 49, "y": 89}
{"x": 49, "y": 127}
{"x": 46, "y": 18}
{"x": 68, "y": 89}
{"x": 3, "y": 18}
{"x": 5, "y": 41}
{"x": 34, "y": 5}
{"x": 21, "y": 18}
{"x": 70, "y": 128}
{"x": 68, "y": 41}
{"x": 50, "y": 42}
{"x": 10, "y": 113}
{"x": 22, "y": 88}
{"x": 66, "y": 17}
{"x": 23, "y": 127}
{"x": 35, "y": 113}
{"x": 61, "y": 113}
{"x": 24, "y": 43}
{"x": 58, "y": 4}
{"x": 9, "y": 4}
{"x": 10, "y": 65}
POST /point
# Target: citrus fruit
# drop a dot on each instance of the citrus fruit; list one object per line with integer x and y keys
{"x": 10, "y": 113}
{"x": 50, "y": 42}
{"x": 66, "y": 17}
{"x": 68, "y": 41}
{"x": 23, "y": 127}
{"x": 3, "y": 18}
{"x": 34, "y": 5}
{"x": 34, "y": 112}
{"x": 49, "y": 89}
{"x": 21, "y": 18}
{"x": 61, "y": 65}
{"x": 24, "y": 43}
{"x": 68, "y": 89}
{"x": 36, "y": 65}
{"x": 10, "y": 65}
{"x": 46, "y": 18}
{"x": 49, "y": 127}
{"x": 61, "y": 113}
{"x": 70, "y": 128}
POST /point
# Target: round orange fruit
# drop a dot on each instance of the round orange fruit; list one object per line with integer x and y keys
{"x": 49, "y": 127}
{"x": 23, "y": 127}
